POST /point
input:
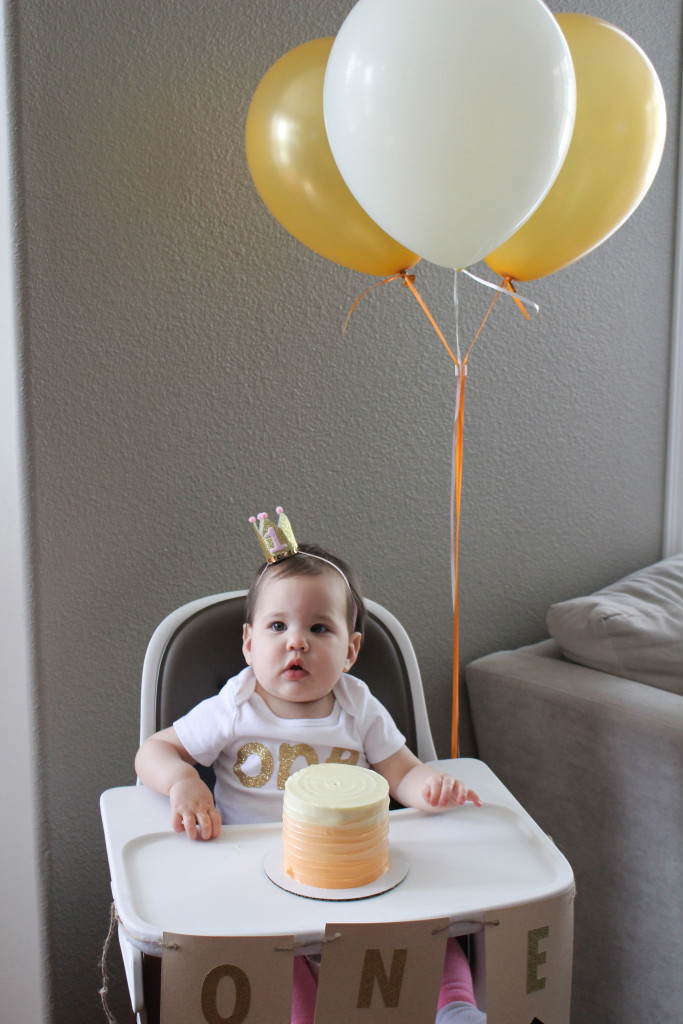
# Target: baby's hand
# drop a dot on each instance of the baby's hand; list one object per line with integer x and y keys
{"x": 193, "y": 809}
{"x": 442, "y": 790}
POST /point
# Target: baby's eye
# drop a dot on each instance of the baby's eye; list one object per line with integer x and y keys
{"x": 278, "y": 627}
{"x": 319, "y": 628}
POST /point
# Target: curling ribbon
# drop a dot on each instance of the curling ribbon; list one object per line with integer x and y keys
{"x": 456, "y": 500}
{"x": 456, "y": 494}
{"x": 460, "y": 365}
{"x": 408, "y": 282}
{"x": 506, "y": 287}
{"x": 387, "y": 280}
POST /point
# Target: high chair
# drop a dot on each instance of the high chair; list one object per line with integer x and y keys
{"x": 197, "y": 647}
{"x": 454, "y": 867}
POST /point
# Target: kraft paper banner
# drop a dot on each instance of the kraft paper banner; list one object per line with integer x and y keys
{"x": 381, "y": 972}
{"x": 529, "y": 963}
{"x": 214, "y": 980}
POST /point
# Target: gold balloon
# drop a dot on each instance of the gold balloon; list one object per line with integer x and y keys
{"x": 612, "y": 159}
{"x": 295, "y": 174}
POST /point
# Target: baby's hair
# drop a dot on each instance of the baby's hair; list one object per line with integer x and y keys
{"x": 320, "y": 563}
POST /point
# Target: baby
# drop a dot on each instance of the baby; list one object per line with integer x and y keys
{"x": 303, "y": 631}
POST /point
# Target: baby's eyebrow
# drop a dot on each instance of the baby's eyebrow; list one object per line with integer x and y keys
{"x": 325, "y": 617}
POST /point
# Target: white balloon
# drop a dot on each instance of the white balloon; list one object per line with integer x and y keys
{"x": 449, "y": 119}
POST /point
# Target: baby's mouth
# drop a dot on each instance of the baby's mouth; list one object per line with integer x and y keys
{"x": 295, "y": 670}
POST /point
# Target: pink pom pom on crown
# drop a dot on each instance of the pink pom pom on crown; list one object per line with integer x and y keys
{"x": 252, "y": 519}
{"x": 263, "y": 515}
{"x": 279, "y": 510}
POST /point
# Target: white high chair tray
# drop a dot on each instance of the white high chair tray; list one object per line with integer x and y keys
{"x": 461, "y": 864}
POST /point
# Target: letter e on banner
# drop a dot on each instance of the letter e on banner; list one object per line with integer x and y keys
{"x": 529, "y": 962}
{"x": 535, "y": 957}
{"x": 377, "y": 973}
{"x": 236, "y": 980}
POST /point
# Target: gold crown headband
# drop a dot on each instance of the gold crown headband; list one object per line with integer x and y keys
{"x": 278, "y": 542}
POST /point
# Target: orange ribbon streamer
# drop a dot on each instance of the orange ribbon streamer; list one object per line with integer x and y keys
{"x": 408, "y": 282}
{"x": 458, "y": 451}
{"x": 459, "y": 427}
{"x": 387, "y": 280}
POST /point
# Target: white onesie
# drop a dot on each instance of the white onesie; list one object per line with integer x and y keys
{"x": 253, "y": 751}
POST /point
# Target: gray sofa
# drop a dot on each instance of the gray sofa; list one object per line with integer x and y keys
{"x": 586, "y": 730}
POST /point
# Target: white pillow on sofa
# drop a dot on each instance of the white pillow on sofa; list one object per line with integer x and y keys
{"x": 633, "y": 628}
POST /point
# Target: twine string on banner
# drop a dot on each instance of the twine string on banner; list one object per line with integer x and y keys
{"x": 114, "y": 921}
{"x": 300, "y": 946}
{"x": 103, "y": 991}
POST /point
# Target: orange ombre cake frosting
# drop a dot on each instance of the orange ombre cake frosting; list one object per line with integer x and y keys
{"x": 335, "y": 826}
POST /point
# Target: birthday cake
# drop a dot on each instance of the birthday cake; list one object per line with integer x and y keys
{"x": 335, "y": 826}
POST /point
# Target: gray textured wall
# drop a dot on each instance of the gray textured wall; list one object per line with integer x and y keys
{"x": 184, "y": 367}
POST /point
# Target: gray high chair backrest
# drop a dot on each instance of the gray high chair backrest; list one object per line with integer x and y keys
{"x": 199, "y": 646}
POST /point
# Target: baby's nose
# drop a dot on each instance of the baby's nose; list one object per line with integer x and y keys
{"x": 298, "y": 641}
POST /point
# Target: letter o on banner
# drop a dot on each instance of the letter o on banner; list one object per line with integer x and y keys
{"x": 210, "y": 995}
{"x": 212, "y": 979}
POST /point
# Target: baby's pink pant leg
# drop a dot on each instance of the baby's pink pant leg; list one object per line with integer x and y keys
{"x": 456, "y": 980}
{"x": 304, "y": 989}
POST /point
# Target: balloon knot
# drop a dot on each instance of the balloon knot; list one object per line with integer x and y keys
{"x": 508, "y": 283}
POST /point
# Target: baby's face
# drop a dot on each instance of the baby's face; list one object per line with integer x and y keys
{"x": 299, "y": 643}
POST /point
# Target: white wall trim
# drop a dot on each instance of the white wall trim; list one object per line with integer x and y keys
{"x": 673, "y": 500}
{"x": 22, "y": 960}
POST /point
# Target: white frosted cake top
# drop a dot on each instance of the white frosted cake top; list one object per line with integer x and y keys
{"x": 335, "y": 793}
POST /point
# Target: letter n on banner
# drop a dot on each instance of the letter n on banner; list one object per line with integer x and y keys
{"x": 377, "y": 973}
{"x": 212, "y": 980}
{"x": 529, "y": 962}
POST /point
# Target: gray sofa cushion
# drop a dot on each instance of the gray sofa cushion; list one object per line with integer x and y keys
{"x": 633, "y": 628}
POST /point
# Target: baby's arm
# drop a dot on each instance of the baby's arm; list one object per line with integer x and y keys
{"x": 414, "y": 784}
{"x": 164, "y": 765}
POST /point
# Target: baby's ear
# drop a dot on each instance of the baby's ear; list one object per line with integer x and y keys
{"x": 353, "y": 649}
{"x": 246, "y": 642}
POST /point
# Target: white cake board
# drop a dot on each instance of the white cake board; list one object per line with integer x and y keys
{"x": 393, "y": 876}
